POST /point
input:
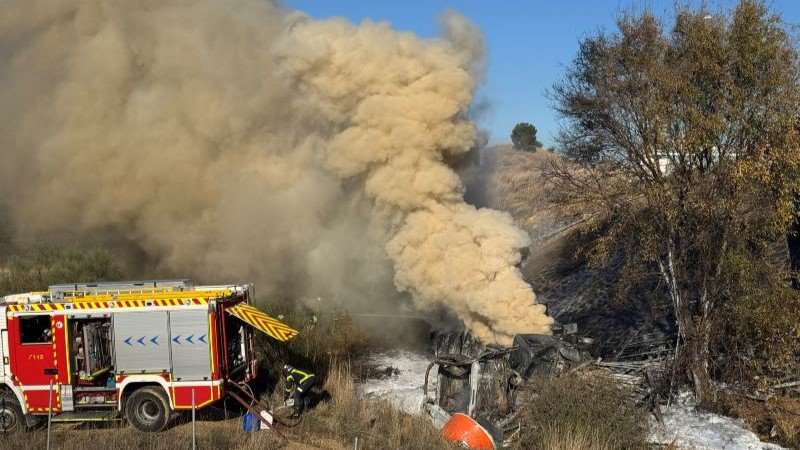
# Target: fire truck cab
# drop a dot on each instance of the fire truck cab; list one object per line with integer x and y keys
{"x": 134, "y": 350}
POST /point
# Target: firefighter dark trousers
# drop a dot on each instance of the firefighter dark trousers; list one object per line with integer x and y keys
{"x": 301, "y": 396}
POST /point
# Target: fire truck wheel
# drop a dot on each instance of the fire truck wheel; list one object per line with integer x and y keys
{"x": 11, "y": 417}
{"x": 148, "y": 409}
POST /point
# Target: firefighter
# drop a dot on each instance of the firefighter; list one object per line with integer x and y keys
{"x": 298, "y": 387}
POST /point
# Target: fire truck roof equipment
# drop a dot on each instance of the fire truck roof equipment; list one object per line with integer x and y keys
{"x": 144, "y": 294}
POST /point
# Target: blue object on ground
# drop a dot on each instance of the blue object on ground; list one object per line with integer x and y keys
{"x": 250, "y": 423}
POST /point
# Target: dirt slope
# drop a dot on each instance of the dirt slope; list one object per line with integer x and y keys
{"x": 573, "y": 291}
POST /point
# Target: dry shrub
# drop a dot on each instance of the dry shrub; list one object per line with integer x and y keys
{"x": 324, "y": 339}
{"x": 571, "y": 438}
{"x": 776, "y": 419}
{"x": 589, "y": 411}
{"x": 756, "y": 341}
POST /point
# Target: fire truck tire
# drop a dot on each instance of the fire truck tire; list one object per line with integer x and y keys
{"x": 11, "y": 418}
{"x": 147, "y": 409}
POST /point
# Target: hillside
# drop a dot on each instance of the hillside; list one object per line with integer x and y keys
{"x": 572, "y": 290}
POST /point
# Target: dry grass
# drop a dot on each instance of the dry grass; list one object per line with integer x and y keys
{"x": 332, "y": 425}
{"x": 777, "y": 419}
{"x": 582, "y": 411}
{"x": 570, "y": 438}
{"x": 211, "y": 435}
{"x": 518, "y": 187}
{"x": 377, "y": 424}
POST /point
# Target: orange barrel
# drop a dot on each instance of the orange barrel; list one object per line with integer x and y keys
{"x": 465, "y": 430}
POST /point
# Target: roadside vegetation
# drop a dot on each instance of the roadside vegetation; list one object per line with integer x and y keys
{"x": 682, "y": 145}
{"x": 39, "y": 267}
{"x": 681, "y": 154}
{"x": 588, "y": 411}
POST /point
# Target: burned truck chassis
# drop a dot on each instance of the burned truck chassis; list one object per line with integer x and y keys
{"x": 483, "y": 381}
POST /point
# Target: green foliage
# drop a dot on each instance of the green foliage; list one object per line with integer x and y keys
{"x": 591, "y": 410}
{"x": 759, "y": 330}
{"x": 683, "y": 142}
{"x": 523, "y": 137}
{"x": 47, "y": 265}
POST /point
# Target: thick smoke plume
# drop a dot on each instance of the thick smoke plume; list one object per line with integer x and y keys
{"x": 237, "y": 140}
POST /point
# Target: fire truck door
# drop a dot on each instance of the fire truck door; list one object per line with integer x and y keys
{"x": 34, "y": 358}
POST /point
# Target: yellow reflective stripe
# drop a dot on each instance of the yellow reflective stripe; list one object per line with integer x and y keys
{"x": 187, "y": 299}
{"x": 305, "y": 376}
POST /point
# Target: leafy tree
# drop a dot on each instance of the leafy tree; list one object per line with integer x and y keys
{"x": 686, "y": 146}
{"x": 523, "y": 137}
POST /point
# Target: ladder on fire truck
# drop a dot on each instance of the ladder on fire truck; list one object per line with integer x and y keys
{"x": 62, "y": 292}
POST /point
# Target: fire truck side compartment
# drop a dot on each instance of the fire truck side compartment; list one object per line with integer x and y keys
{"x": 141, "y": 342}
{"x": 190, "y": 341}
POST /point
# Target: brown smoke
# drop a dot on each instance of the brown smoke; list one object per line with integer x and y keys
{"x": 239, "y": 140}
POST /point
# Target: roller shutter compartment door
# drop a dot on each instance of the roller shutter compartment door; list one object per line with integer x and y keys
{"x": 191, "y": 360}
{"x": 141, "y": 342}
{"x": 3, "y": 351}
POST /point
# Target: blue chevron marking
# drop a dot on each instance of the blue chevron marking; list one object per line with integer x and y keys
{"x": 189, "y": 339}
{"x": 128, "y": 341}
{"x": 154, "y": 340}
{"x": 141, "y": 340}
{"x": 202, "y": 339}
{"x": 177, "y": 339}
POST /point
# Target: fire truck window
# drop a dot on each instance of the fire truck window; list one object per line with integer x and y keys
{"x": 35, "y": 330}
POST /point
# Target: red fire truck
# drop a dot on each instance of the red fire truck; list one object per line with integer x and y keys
{"x": 134, "y": 350}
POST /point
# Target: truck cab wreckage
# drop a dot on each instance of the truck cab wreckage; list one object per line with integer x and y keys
{"x": 470, "y": 390}
{"x": 141, "y": 351}
{"x": 473, "y": 392}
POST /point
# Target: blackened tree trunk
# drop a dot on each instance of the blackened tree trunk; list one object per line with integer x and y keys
{"x": 793, "y": 243}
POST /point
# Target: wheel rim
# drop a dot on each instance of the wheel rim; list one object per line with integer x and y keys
{"x": 8, "y": 420}
{"x": 149, "y": 411}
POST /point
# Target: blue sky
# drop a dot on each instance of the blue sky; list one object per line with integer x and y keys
{"x": 529, "y": 43}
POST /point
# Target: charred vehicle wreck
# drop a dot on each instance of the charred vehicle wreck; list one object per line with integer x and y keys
{"x": 470, "y": 389}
